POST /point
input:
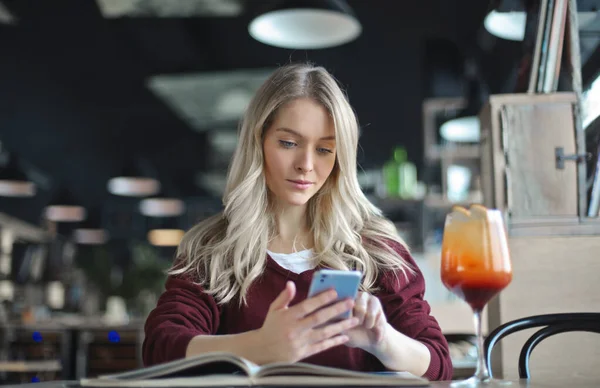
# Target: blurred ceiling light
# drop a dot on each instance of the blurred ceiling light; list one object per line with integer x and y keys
{"x": 162, "y": 207}
{"x": 306, "y": 24}
{"x": 232, "y": 104}
{"x": 465, "y": 126}
{"x": 166, "y": 8}
{"x": 134, "y": 181}
{"x": 209, "y": 100}
{"x": 13, "y": 181}
{"x": 90, "y": 232}
{"x": 165, "y": 237}
{"x": 64, "y": 209}
{"x": 133, "y": 186}
{"x": 461, "y": 129}
{"x": 85, "y": 236}
{"x": 506, "y": 25}
{"x": 6, "y": 17}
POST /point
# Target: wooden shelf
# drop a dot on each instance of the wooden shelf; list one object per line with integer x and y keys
{"x": 455, "y": 151}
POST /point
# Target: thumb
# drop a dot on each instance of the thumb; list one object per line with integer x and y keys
{"x": 285, "y": 297}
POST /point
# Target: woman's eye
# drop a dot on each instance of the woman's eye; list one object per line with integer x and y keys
{"x": 325, "y": 150}
{"x": 287, "y": 144}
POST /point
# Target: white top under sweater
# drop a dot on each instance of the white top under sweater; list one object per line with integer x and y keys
{"x": 296, "y": 262}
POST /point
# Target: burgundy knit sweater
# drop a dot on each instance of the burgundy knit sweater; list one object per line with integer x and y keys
{"x": 184, "y": 311}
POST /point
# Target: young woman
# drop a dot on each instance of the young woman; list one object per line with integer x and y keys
{"x": 293, "y": 204}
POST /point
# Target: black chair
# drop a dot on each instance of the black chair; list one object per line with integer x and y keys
{"x": 552, "y": 323}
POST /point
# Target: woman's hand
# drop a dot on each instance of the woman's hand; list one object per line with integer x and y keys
{"x": 372, "y": 323}
{"x": 293, "y": 333}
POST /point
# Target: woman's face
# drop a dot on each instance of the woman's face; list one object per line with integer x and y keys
{"x": 299, "y": 151}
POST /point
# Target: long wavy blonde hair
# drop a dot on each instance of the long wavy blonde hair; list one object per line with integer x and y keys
{"x": 227, "y": 252}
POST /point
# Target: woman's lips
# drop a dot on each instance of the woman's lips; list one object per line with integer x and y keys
{"x": 300, "y": 185}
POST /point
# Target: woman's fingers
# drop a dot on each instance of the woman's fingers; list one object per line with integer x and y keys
{"x": 360, "y": 307}
{"x": 313, "y": 304}
{"x": 374, "y": 312}
{"x": 326, "y": 344}
{"x": 331, "y": 330}
{"x": 325, "y": 314}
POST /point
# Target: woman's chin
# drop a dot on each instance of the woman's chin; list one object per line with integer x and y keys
{"x": 297, "y": 199}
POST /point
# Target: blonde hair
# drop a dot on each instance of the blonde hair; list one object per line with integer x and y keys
{"x": 227, "y": 252}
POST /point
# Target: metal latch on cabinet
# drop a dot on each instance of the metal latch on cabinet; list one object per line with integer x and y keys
{"x": 559, "y": 152}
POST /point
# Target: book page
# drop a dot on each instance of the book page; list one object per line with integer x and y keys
{"x": 204, "y": 364}
{"x": 202, "y": 381}
{"x": 305, "y": 369}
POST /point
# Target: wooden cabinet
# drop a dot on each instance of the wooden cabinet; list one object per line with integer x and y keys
{"x": 553, "y": 246}
{"x": 520, "y": 137}
{"x": 108, "y": 350}
{"x": 30, "y": 354}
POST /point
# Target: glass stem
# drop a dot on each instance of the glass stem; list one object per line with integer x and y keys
{"x": 481, "y": 373}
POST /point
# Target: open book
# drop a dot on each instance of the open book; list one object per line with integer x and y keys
{"x": 224, "y": 369}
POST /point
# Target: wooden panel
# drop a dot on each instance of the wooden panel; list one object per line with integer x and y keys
{"x": 531, "y": 134}
{"x": 551, "y": 275}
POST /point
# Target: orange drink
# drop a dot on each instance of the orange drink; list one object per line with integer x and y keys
{"x": 475, "y": 259}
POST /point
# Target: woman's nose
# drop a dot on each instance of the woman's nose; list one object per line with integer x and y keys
{"x": 304, "y": 163}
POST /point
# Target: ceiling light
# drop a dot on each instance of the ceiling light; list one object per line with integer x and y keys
{"x": 64, "y": 209}
{"x": 133, "y": 186}
{"x": 506, "y": 25}
{"x": 165, "y": 237}
{"x": 134, "y": 181}
{"x": 465, "y": 126}
{"x": 85, "y": 236}
{"x": 208, "y": 100}
{"x": 169, "y": 9}
{"x": 461, "y": 129}
{"x": 308, "y": 24}
{"x": 13, "y": 182}
{"x": 91, "y": 232}
{"x": 162, "y": 207}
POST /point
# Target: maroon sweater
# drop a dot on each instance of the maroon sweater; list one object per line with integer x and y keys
{"x": 184, "y": 311}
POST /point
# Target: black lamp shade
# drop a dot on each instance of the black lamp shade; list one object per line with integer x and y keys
{"x": 466, "y": 127}
{"x": 91, "y": 232}
{"x": 306, "y": 24}
{"x": 64, "y": 208}
{"x": 13, "y": 181}
{"x": 135, "y": 180}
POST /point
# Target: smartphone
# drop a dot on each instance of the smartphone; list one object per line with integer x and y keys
{"x": 345, "y": 283}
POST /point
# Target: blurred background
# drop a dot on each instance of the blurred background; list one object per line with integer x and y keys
{"x": 118, "y": 119}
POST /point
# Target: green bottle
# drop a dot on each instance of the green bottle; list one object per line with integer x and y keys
{"x": 400, "y": 175}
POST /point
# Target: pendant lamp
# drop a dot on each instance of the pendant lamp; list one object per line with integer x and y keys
{"x": 306, "y": 24}
{"x": 165, "y": 231}
{"x": 63, "y": 208}
{"x": 135, "y": 180}
{"x": 465, "y": 127}
{"x": 13, "y": 181}
{"x": 91, "y": 232}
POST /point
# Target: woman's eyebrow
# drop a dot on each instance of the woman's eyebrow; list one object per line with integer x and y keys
{"x": 291, "y": 131}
